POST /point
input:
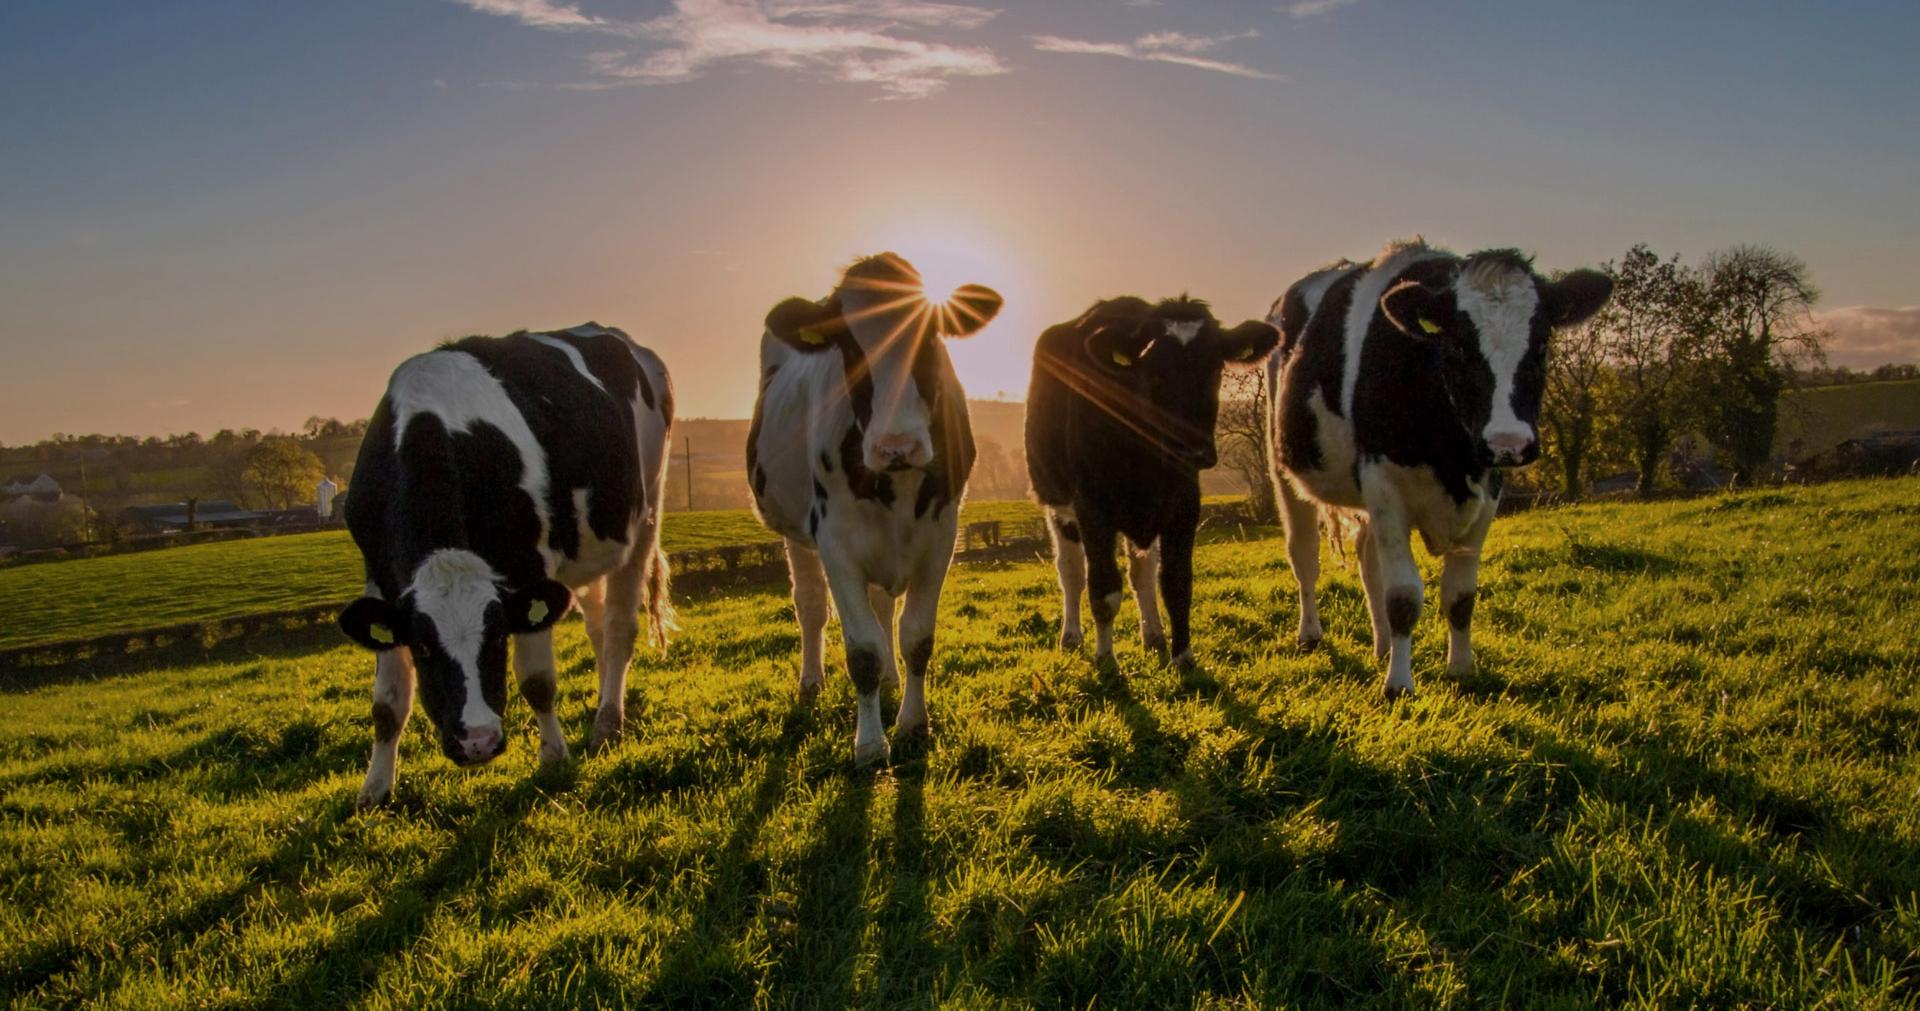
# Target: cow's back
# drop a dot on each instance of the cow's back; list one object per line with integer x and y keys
{"x": 1050, "y": 402}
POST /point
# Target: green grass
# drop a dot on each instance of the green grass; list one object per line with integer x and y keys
{"x": 1822, "y": 418}
{"x": 58, "y": 601}
{"x": 1684, "y": 777}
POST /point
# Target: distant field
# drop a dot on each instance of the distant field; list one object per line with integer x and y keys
{"x": 1823, "y": 418}
{"x": 1684, "y": 777}
{"x": 88, "y": 597}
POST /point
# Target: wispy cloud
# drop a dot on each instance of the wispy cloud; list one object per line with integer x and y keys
{"x": 856, "y": 41}
{"x": 1162, "y": 47}
{"x": 1863, "y": 336}
{"x": 1311, "y": 8}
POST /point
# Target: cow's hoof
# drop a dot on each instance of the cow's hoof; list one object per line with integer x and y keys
{"x": 1154, "y": 644}
{"x": 1397, "y": 692}
{"x": 1185, "y": 663}
{"x": 606, "y": 733}
{"x": 871, "y": 755}
{"x": 552, "y": 755}
{"x": 914, "y": 733}
{"x": 1309, "y": 645}
{"x": 1070, "y": 640}
{"x": 372, "y": 797}
{"x": 810, "y": 690}
{"x": 1462, "y": 670}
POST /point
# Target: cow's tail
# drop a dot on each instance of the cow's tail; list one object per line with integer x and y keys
{"x": 659, "y": 597}
{"x": 1343, "y": 527}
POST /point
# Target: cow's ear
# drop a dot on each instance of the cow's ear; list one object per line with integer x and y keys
{"x": 971, "y": 307}
{"x": 1117, "y": 347}
{"x": 1248, "y": 342}
{"x": 537, "y": 608}
{"x": 375, "y": 624}
{"x": 1574, "y": 299}
{"x": 1417, "y": 310}
{"x": 804, "y": 325}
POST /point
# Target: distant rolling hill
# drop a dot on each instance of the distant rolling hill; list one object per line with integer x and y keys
{"x": 1813, "y": 421}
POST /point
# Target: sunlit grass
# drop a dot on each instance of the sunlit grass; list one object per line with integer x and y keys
{"x": 1684, "y": 777}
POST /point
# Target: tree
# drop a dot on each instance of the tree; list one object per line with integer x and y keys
{"x": 1578, "y": 380}
{"x": 1759, "y": 325}
{"x": 282, "y": 472}
{"x": 1241, "y": 432}
{"x": 1649, "y": 335}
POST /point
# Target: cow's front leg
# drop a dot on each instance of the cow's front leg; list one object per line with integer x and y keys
{"x": 392, "y": 704}
{"x": 1459, "y": 583}
{"x": 620, "y": 627}
{"x": 1143, "y": 567}
{"x": 1393, "y": 550}
{"x": 1176, "y": 584}
{"x": 1374, "y": 583}
{"x": 1070, "y": 560}
{"x": 592, "y": 599}
{"x": 916, "y": 635}
{"x": 810, "y": 609}
{"x": 1103, "y": 579}
{"x": 1302, "y": 519}
{"x": 533, "y": 667}
{"x": 864, "y": 638}
{"x": 883, "y": 607}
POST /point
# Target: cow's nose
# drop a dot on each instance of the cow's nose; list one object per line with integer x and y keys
{"x": 481, "y": 745}
{"x": 899, "y": 452}
{"x": 1509, "y": 448}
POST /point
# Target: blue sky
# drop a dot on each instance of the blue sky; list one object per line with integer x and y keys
{"x": 244, "y": 213}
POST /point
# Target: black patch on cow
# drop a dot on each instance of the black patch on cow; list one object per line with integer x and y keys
{"x": 863, "y": 483}
{"x": 759, "y": 482}
{"x": 919, "y": 655}
{"x": 813, "y": 523}
{"x": 863, "y": 667}
{"x": 386, "y": 723}
{"x": 753, "y": 437}
{"x": 1403, "y": 612}
{"x": 646, "y": 389}
{"x": 853, "y": 363}
{"x": 826, "y": 462}
{"x": 1313, "y": 363}
{"x": 538, "y": 691}
{"x": 1069, "y": 530}
{"x": 1460, "y": 612}
{"x": 819, "y": 492}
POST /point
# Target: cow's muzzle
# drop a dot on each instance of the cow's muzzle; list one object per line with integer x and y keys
{"x": 478, "y": 746}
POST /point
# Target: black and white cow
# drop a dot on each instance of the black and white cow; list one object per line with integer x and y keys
{"x": 503, "y": 478}
{"x": 858, "y": 456}
{"x": 1402, "y": 388}
{"x": 1120, "y": 422}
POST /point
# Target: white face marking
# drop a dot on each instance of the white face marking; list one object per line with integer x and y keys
{"x": 573, "y": 356}
{"x": 1501, "y": 305}
{"x": 1184, "y": 332}
{"x": 453, "y": 588}
{"x": 1366, "y": 302}
{"x": 887, "y": 332}
{"x": 454, "y": 386}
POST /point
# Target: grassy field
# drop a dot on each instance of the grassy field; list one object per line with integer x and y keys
{"x": 1685, "y": 776}
{"x": 56, "y": 601}
{"x": 1822, "y": 418}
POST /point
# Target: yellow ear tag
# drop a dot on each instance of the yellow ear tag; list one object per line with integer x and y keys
{"x": 1245, "y": 355}
{"x": 380, "y": 634}
{"x": 813, "y": 337}
{"x": 1429, "y": 325}
{"x": 1121, "y": 360}
{"x": 537, "y": 612}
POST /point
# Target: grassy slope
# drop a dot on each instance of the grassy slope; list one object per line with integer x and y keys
{"x": 1685, "y": 776}
{"x": 100, "y": 596}
{"x": 1822, "y": 418}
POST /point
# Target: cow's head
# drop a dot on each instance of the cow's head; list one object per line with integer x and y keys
{"x": 455, "y": 618}
{"x": 1163, "y": 365}
{"x": 1489, "y": 321}
{"x": 888, "y": 336}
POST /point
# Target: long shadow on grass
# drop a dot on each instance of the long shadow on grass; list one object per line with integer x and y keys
{"x": 281, "y": 644}
{"x": 349, "y": 966}
{"x": 830, "y": 914}
{"x": 908, "y": 955}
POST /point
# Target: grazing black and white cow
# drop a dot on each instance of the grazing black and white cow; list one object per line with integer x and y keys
{"x": 858, "y": 456}
{"x": 502, "y": 477}
{"x": 1120, "y": 422}
{"x": 1402, "y": 388}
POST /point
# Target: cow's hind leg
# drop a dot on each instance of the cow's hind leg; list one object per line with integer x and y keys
{"x": 392, "y": 704}
{"x": 1459, "y": 583}
{"x": 810, "y": 609}
{"x": 883, "y": 607}
{"x": 1374, "y": 583}
{"x": 619, "y": 630}
{"x": 1070, "y": 560}
{"x": 534, "y": 667}
{"x": 1390, "y": 536}
{"x": 1103, "y": 579}
{"x": 592, "y": 599}
{"x": 1143, "y": 571}
{"x": 1302, "y": 519}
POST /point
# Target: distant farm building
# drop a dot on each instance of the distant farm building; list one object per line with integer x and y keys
{"x": 42, "y": 487}
{"x": 178, "y": 516}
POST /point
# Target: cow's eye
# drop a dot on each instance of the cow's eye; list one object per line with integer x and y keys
{"x": 425, "y": 651}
